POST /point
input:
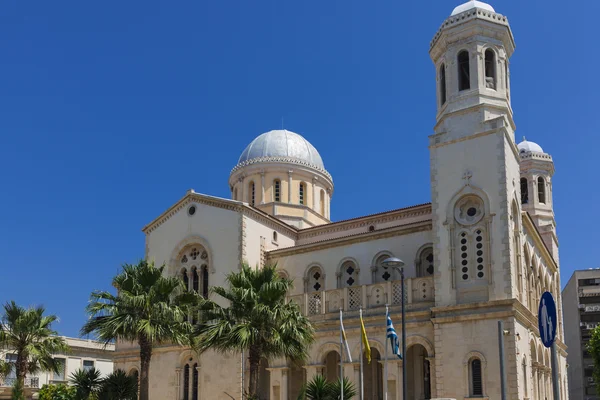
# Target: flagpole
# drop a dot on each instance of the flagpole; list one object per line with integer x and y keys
{"x": 385, "y": 360}
{"x": 362, "y": 386}
{"x": 341, "y": 358}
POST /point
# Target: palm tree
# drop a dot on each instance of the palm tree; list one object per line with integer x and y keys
{"x": 5, "y": 368}
{"x": 87, "y": 383}
{"x": 149, "y": 309}
{"x": 28, "y": 333}
{"x": 119, "y": 386}
{"x": 258, "y": 320}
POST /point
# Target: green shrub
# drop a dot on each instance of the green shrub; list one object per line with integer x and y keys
{"x": 57, "y": 392}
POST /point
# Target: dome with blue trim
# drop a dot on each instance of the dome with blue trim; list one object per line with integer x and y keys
{"x": 282, "y": 144}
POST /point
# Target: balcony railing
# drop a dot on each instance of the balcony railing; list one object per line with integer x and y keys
{"x": 29, "y": 382}
{"x": 418, "y": 290}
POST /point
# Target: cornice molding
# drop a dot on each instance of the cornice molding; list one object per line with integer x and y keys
{"x": 532, "y": 230}
{"x": 286, "y": 160}
{"x": 374, "y": 219}
{"x": 420, "y": 226}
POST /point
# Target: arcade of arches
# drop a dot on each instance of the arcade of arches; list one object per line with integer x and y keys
{"x": 291, "y": 378}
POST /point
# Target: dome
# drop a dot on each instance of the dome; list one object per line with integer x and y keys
{"x": 282, "y": 143}
{"x": 472, "y": 4}
{"x": 528, "y": 147}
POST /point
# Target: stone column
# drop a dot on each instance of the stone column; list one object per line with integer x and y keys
{"x": 356, "y": 379}
{"x": 284, "y": 383}
{"x": 275, "y": 383}
{"x": 312, "y": 371}
{"x": 241, "y": 184}
{"x": 177, "y": 383}
{"x": 262, "y": 187}
{"x": 290, "y": 186}
{"x": 432, "y": 382}
{"x": 314, "y": 194}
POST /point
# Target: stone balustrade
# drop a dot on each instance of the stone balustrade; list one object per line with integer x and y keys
{"x": 418, "y": 290}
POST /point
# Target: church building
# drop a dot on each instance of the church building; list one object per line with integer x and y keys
{"x": 483, "y": 250}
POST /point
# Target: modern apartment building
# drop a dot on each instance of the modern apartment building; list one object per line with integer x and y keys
{"x": 581, "y": 310}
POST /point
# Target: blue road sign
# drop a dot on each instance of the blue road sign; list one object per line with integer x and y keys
{"x": 547, "y": 319}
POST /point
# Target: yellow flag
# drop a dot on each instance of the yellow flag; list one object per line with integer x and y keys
{"x": 365, "y": 341}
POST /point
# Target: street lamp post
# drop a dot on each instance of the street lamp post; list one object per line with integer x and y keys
{"x": 397, "y": 263}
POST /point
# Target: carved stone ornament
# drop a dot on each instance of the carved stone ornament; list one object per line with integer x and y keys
{"x": 469, "y": 210}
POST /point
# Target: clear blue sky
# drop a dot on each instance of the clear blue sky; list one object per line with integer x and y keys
{"x": 110, "y": 111}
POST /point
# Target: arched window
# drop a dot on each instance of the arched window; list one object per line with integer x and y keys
{"x": 524, "y": 191}
{"x": 476, "y": 377}
{"x": 276, "y": 190}
{"x": 195, "y": 382}
{"x": 186, "y": 382}
{"x": 442, "y": 84}
{"x": 464, "y": 74}
{"x": 302, "y": 192}
{"x": 490, "y": 69}
{"x": 322, "y": 202}
{"x": 195, "y": 279}
{"x": 384, "y": 274}
{"x": 425, "y": 262}
{"x": 235, "y": 194}
{"x": 541, "y": 190}
{"x": 252, "y": 192}
{"x": 348, "y": 275}
{"x": 471, "y": 241}
{"x": 185, "y": 278}
{"x": 205, "y": 281}
{"x": 316, "y": 280}
{"x": 274, "y": 236}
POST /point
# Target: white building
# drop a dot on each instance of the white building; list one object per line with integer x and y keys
{"x": 83, "y": 354}
{"x": 483, "y": 250}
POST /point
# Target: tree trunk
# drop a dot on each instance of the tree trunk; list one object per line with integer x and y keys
{"x": 21, "y": 368}
{"x": 145, "y": 356}
{"x": 254, "y": 358}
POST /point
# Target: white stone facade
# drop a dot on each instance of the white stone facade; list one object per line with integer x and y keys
{"x": 83, "y": 354}
{"x": 473, "y": 256}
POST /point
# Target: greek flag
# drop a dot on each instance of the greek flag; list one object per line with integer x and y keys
{"x": 391, "y": 334}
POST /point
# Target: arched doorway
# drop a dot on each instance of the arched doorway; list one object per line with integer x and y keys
{"x": 418, "y": 373}
{"x": 264, "y": 380}
{"x": 332, "y": 366}
{"x": 373, "y": 375}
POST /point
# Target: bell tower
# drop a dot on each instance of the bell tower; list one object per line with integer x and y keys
{"x": 474, "y": 160}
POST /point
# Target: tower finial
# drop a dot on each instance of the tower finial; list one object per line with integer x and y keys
{"x": 524, "y": 138}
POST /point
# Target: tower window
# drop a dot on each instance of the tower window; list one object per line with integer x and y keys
{"x": 476, "y": 378}
{"x": 464, "y": 74}
{"x": 235, "y": 194}
{"x": 490, "y": 69}
{"x": 277, "y": 190}
{"x": 541, "y": 190}
{"x": 302, "y": 192}
{"x": 442, "y": 84}
{"x": 524, "y": 191}
{"x": 251, "y": 189}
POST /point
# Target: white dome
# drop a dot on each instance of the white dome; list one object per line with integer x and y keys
{"x": 282, "y": 144}
{"x": 528, "y": 147}
{"x": 472, "y": 4}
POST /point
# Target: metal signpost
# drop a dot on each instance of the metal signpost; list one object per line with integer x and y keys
{"x": 547, "y": 323}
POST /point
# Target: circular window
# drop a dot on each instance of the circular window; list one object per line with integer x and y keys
{"x": 469, "y": 210}
{"x": 192, "y": 210}
{"x": 371, "y": 228}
